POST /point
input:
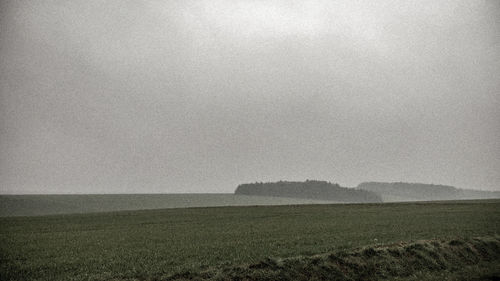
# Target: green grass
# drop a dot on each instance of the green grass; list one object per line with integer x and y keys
{"x": 463, "y": 259}
{"x": 142, "y": 245}
{"x": 35, "y": 205}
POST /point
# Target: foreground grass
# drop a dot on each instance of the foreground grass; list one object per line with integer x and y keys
{"x": 141, "y": 245}
{"x": 476, "y": 258}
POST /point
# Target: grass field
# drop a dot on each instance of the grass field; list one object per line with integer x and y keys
{"x": 36, "y": 205}
{"x": 155, "y": 244}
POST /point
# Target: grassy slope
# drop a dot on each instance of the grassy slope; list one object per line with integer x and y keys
{"x": 158, "y": 243}
{"x": 32, "y": 205}
{"x": 456, "y": 259}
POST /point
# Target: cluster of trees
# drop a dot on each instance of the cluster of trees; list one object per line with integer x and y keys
{"x": 401, "y": 191}
{"x": 310, "y": 189}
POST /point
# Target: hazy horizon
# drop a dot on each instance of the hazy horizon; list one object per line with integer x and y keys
{"x": 138, "y": 192}
{"x": 200, "y": 96}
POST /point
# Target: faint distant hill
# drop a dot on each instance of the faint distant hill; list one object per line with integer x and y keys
{"x": 401, "y": 191}
{"x": 310, "y": 189}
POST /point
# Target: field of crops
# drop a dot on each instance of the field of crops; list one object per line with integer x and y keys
{"x": 36, "y": 205}
{"x": 155, "y": 244}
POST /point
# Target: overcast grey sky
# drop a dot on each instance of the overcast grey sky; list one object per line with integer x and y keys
{"x": 199, "y": 96}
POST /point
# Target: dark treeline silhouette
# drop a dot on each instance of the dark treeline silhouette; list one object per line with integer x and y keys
{"x": 401, "y": 191}
{"x": 310, "y": 189}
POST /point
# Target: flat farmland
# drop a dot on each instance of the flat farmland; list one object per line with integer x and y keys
{"x": 36, "y": 205}
{"x": 156, "y": 244}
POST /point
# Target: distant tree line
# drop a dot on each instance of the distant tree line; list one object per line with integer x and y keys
{"x": 310, "y": 189}
{"x": 402, "y": 191}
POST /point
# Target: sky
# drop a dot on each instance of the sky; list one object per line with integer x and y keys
{"x": 181, "y": 96}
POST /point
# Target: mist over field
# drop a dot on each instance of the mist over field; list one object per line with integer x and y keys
{"x": 222, "y": 140}
{"x": 201, "y": 96}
